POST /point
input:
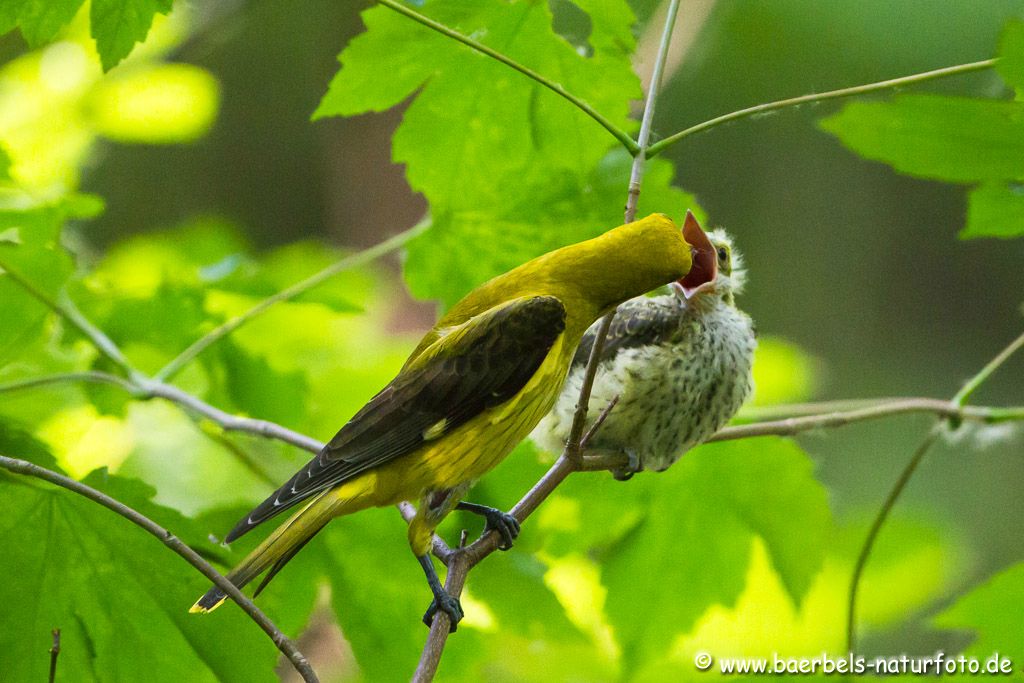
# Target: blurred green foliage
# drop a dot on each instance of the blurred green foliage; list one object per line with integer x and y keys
{"x": 743, "y": 548}
{"x": 953, "y": 139}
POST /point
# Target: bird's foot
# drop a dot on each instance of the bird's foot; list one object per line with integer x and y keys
{"x": 505, "y": 524}
{"x": 447, "y": 604}
{"x": 631, "y": 467}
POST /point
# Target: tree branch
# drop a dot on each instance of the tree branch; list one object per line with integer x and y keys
{"x": 227, "y": 421}
{"x": 807, "y": 423}
{"x": 365, "y": 256}
{"x": 661, "y": 145}
{"x": 297, "y": 659}
{"x": 556, "y": 88}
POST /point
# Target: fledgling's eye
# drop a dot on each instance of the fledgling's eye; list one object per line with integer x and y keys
{"x": 722, "y": 254}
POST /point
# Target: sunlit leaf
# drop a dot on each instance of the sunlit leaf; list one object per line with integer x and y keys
{"x": 117, "y": 25}
{"x": 712, "y": 503}
{"x": 83, "y": 440}
{"x": 164, "y": 104}
{"x": 995, "y": 210}
{"x": 458, "y": 147}
{"x": 992, "y": 612}
{"x": 39, "y": 20}
{"x": 1011, "y": 54}
{"x": 118, "y": 591}
{"x": 765, "y": 620}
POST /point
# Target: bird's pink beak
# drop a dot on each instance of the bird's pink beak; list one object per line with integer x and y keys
{"x": 705, "y": 262}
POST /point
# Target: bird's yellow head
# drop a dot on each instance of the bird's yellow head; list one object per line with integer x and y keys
{"x": 624, "y": 262}
{"x": 591, "y": 277}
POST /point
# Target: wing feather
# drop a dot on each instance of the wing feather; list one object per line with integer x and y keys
{"x": 471, "y": 368}
{"x": 638, "y": 322}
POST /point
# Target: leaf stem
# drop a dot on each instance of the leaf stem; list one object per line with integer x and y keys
{"x": 956, "y": 70}
{"x": 876, "y": 528}
{"x": 224, "y": 329}
{"x": 54, "y": 652}
{"x": 70, "y": 313}
{"x": 283, "y": 643}
{"x": 972, "y": 384}
{"x": 70, "y": 377}
{"x": 556, "y": 88}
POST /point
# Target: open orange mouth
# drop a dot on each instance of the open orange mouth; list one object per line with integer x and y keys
{"x": 705, "y": 262}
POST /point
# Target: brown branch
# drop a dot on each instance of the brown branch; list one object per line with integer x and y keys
{"x": 286, "y": 646}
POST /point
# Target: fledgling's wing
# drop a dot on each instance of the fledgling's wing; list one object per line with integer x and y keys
{"x": 638, "y": 322}
{"x": 478, "y": 365}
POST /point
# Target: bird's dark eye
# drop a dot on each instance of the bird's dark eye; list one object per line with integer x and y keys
{"x": 722, "y": 254}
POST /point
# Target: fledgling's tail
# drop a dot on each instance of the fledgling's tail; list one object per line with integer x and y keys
{"x": 276, "y": 550}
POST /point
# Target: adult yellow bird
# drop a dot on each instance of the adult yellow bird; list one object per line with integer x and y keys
{"x": 474, "y": 387}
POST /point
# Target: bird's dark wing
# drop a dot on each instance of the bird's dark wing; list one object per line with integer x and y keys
{"x": 638, "y": 322}
{"x": 475, "y": 366}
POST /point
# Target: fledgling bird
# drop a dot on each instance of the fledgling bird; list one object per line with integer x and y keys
{"x": 474, "y": 387}
{"x": 679, "y": 363}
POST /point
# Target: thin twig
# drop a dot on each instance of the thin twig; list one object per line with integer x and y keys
{"x": 973, "y": 383}
{"x": 876, "y": 527}
{"x": 227, "y": 421}
{"x": 70, "y": 313}
{"x": 283, "y": 643}
{"x": 54, "y": 651}
{"x": 585, "y": 441}
{"x": 224, "y": 329}
{"x": 144, "y": 389}
{"x": 95, "y": 377}
{"x": 571, "y": 457}
{"x": 953, "y": 421}
{"x": 556, "y": 88}
{"x": 573, "y": 449}
{"x": 660, "y": 146}
{"x": 795, "y": 425}
{"x": 647, "y": 121}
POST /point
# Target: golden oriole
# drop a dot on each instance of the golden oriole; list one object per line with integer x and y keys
{"x": 474, "y": 387}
